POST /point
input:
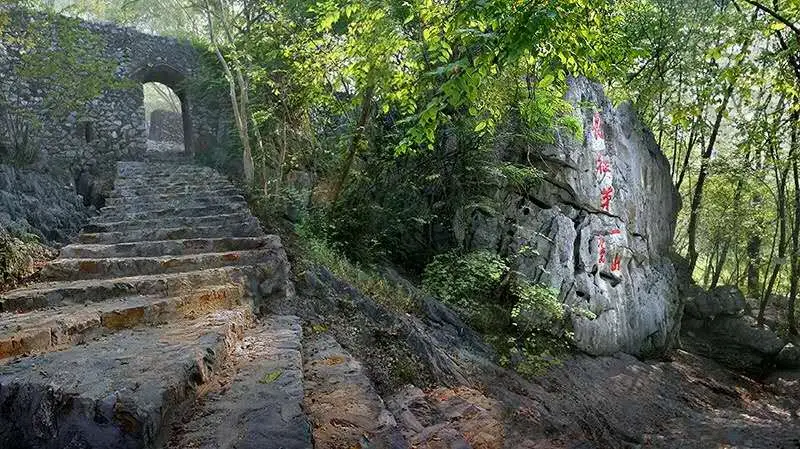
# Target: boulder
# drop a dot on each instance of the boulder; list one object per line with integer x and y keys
{"x": 789, "y": 357}
{"x": 598, "y": 228}
{"x": 736, "y": 342}
{"x": 722, "y": 300}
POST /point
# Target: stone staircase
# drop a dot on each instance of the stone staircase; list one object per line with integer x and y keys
{"x": 153, "y": 307}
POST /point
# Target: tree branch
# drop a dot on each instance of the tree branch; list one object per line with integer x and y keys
{"x": 792, "y": 26}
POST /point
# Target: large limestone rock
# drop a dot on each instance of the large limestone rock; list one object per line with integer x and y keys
{"x": 38, "y": 203}
{"x": 722, "y": 300}
{"x": 734, "y": 341}
{"x": 598, "y": 228}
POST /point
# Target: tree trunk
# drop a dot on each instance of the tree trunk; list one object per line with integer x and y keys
{"x": 697, "y": 198}
{"x": 781, "y": 178}
{"x": 238, "y": 101}
{"x": 790, "y": 307}
{"x": 753, "y": 265}
{"x": 355, "y": 140}
{"x": 723, "y": 257}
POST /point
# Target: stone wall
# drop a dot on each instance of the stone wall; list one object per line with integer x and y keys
{"x": 598, "y": 228}
{"x": 112, "y": 126}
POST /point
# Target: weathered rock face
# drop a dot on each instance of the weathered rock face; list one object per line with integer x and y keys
{"x": 598, "y": 229}
{"x": 734, "y": 341}
{"x": 40, "y": 204}
{"x": 586, "y": 402}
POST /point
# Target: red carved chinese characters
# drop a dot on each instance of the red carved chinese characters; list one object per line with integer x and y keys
{"x": 601, "y": 249}
{"x": 615, "y": 264}
{"x": 605, "y": 182}
{"x": 606, "y": 194}
{"x": 597, "y": 126}
{"x": 603, "y": 165}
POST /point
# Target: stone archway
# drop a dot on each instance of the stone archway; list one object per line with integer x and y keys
{"x": 175, "y": 80}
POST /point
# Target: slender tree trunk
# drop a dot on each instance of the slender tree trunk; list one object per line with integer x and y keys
{"x": 782, "y": 244}
{"x": 781, "y": 178}
{"x": 686, "y": 157}
{"x": 753, "y": 265}
{"x": 697, "y": 198}
{"x": 793, "y": 282}
{"x": 710, "y": 265}
{"x": 238, "y": 100}
{"x": 355, "y": 140}
{"x": 723, "y": 257}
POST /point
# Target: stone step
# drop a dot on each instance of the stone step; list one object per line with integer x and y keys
{"x": 178, "y": 172}
{"x": 52, "y": 294}
{"x": 169, "y": 247}
{"x": 52, "y": 329}
{"x": 183, "y": 211}
{"x": 186, "y": 201}
{"x": 170, "y": 197}
{"x": 169, "y": 222}
{"x": 160, "y": 183}
{"x": 206, "y": 189}
{"x": 258, "y": 400}
{"x": 166, "y": 157}
{"x": 249, "y": 228}
{"x": 120, "y": 392}
{"x": 77, "y": 269}
{"x": 172, "y": 175}
{"x": 343, "y": 406}
{"x": 150, "y": 170}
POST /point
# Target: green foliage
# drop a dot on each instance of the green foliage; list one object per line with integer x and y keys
{"x": 465, "y": 281}
{"x": 18, "y": 131}
{"x": 19, "y": 256}
{"x": 317, "y": 250}
{"x": 60, "y": 54}
{"x": 470, "y": 283}
{"x": 524, "y": 321}
{"x": 537, "y": 307}
{"x": 270, "y": 377}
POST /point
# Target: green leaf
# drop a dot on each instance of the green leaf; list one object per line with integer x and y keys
{"x": 547, "y": 81}
{"x": 270, "y": 377}
{"x": 777, "y": 26}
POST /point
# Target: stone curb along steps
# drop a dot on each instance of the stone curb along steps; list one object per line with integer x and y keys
{"x": 154, "y": 303}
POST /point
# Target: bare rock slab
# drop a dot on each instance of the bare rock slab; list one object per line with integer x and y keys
{"x": 257, "y": 403}
{"x": 342, "y": 404}
{"x": 119, "y": 392}
{"x": 449, "y": 418}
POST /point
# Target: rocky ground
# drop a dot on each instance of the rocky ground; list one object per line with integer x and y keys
{"x": 456, "y": 397}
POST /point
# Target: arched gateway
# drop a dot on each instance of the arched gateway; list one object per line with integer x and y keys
{"x": 111, "y": 126}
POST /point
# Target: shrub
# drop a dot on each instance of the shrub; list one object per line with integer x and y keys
{"x": 317, "y": 250}
{"x": 525, "y": 322}
{"x": 18, "y": 145}
{"x": 463, "y": 280}
{"x": 20, "y": 257}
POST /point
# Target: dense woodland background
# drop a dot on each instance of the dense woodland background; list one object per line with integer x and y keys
{"x": 394, "y": 110}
